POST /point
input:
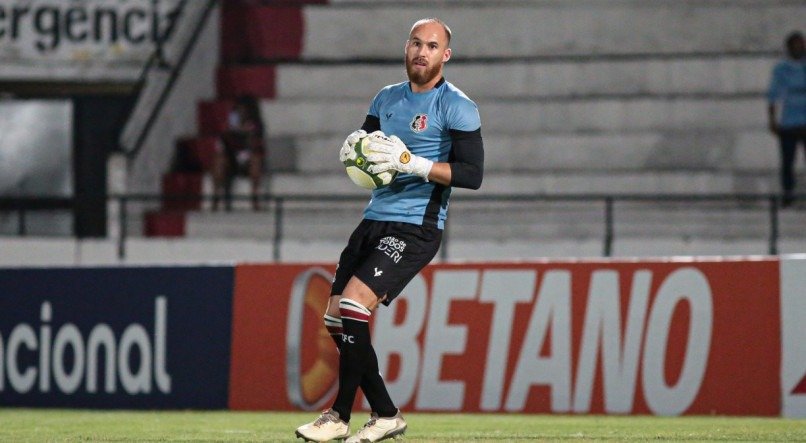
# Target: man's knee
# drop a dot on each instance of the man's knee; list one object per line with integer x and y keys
{"x": 358, "y": 291}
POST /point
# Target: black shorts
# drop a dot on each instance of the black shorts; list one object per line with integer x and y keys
{"x": 386, "y": 256}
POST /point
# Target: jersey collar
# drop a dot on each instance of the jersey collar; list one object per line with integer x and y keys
{"x": 436, "y": 86}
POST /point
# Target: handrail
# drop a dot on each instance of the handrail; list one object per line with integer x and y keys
{"x": 280, "y": 201}
{"x": 36, "y": 203}
{"x": 175, "y": 70}
{"x": 23, "y": 205}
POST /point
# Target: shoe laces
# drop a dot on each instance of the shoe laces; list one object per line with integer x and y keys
{"x": 372, "y": 420}
{"x": 326, "y": 417}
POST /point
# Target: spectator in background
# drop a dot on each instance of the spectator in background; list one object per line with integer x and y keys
{"x": 240, "y": 153}
{"x": 787, "y": 91}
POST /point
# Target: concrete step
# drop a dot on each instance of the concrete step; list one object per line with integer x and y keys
{"x": 717, "y": 150}
{"x": 306, "y": 221}
{"x": 558, "y": 182}
{"x": 517, "y": 79}
{"x": 505, "y": 222}
{"x": 291, "y": 117}
{"x": 579, "y": 220}
{"x": 618, "y": 183}
{"x": 355, "y": 31}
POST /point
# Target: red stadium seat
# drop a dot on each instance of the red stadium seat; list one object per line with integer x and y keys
{"x": 200, "y": 151}
{"x": 182, "y": 184}
{"x": 212, "y": 116}
{"x": 238, "y": 81}
{"x": 164, "y": 224}
{"x": 233, "y": 33}
{"x": 274, "y": 33}
{"x": 261, "y": 32}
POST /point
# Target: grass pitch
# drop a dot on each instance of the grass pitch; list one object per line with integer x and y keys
{"x": 37, "y": 425}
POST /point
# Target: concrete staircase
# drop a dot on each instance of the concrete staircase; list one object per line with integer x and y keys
{"x": 615, "y": 97}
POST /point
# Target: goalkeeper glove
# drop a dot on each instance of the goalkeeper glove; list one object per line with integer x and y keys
{"x": 390, "y": 153}
{"x": 347, "y": 147}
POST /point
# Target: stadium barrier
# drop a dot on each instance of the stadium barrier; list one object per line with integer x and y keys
{"x": 686, "y": 336}
{"x": 771, "y": 222}
{"x": 115, "y": 337}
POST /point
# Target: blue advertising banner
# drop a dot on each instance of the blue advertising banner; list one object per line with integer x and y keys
{"x": 115, "y": 337}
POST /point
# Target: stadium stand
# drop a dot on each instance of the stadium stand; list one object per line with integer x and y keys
{"x": 617, "y": 97}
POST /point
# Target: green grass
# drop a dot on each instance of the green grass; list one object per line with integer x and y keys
{"x": 38, "y": 425}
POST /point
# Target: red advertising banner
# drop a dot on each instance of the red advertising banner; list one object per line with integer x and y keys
{"x": 665, "y": 338}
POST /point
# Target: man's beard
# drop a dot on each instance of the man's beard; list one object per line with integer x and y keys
{"x": 421, "y": 77}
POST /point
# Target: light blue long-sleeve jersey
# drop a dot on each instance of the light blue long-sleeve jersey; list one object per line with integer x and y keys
{"x": 423, "y": 122}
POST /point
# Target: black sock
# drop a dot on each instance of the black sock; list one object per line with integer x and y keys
{"x": 371, "y": 383}
{"x": 355, "y": 350}
{"x": 375, "y": 389}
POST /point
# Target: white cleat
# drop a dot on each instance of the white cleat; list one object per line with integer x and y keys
{"x": 325, "y": 428}
{"x": 378, "y": 429}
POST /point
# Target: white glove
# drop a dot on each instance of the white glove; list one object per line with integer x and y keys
{"x": 390, "y": 153}
{"x": 347, "y": 147}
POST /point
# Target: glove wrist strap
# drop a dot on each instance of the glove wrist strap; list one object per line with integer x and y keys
{"x": 421, "y": 166}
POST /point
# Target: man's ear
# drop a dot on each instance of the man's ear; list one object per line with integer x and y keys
{"x": 446, "y": 55}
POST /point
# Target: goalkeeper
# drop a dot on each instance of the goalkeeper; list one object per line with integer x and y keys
{"x": 430, "y": 131}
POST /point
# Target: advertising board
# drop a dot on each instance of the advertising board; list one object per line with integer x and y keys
{"x": 665, "y": 338}
{"x": 115, "y": 337}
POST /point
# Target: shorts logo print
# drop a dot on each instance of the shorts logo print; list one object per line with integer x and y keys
{"x": 378, "y": 273}
{"x": 392, "y": 247}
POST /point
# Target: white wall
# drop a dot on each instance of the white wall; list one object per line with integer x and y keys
{"x": 35, "y": 147}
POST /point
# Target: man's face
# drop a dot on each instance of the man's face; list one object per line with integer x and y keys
{"x": 795, "y": 48}
{"x": 426, "y": 51}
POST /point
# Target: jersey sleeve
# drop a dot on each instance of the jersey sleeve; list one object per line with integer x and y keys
{"x": 467, "y": 159}
{"x": 463, "y": 115}
{"x": 377, "y": 103}
{"x": 372, "y": 122}
{"x": 467, "y": 149}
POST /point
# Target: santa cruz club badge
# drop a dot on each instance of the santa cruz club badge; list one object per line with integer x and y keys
{"x": 420, "y": 123}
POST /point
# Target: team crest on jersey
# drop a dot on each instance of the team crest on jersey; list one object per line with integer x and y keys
{"x": 420, "y": 123}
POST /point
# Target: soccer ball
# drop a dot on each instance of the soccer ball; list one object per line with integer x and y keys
{"x": 358, "y": 168}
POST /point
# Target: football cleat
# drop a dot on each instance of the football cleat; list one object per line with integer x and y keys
{"x": 378, "y": 428}
{"x": 325, "y": 428}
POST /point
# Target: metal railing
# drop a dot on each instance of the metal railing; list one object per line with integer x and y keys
{"x": 21, "y": 206}
{"x": 277, "y": 204}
